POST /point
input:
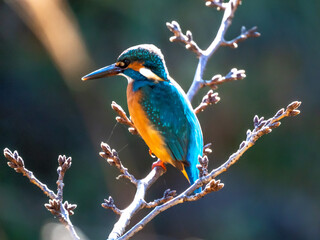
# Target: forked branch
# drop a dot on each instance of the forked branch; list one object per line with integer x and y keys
{"x": 56, "y": 206}
{"x": 186, "y": 39}
{"x": 204, "y": 55}
{"x": 252, "y": 32}
{"x": 113, "y": 159}
{"x": 17, "y": 163}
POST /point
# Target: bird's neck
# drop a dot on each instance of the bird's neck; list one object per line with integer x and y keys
{"x": 144, "y": 77}
{"x": 137, "y": 80}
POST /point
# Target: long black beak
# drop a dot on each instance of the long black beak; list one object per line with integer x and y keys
{"x": 108, "y": 71}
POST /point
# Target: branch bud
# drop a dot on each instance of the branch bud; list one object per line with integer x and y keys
{"x": 279, "y": 113}
{"x": 293, "y": 105}
{"x": 294, "y": 113}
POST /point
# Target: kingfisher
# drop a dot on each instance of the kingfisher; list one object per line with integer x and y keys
{"x": 159, "y": 108}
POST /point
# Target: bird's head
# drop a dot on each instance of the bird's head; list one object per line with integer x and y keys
{"x": 142, "y": 62}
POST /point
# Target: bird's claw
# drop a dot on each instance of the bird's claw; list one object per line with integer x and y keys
{"x": 159, "y": 163}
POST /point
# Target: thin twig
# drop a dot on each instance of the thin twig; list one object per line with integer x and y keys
{"x": 208, "y": 99}
{"x": 64, "y": 165}
{"x": 212, "y": 97}
{"x": 122, "y": 118}
{"x": 186, "y": 39}
{"x": 113, "y": 159}
{"x": 16, "y": 162}
{"x": 233, "y": 75}
{"x": 109, "y": 204}
{"x": 167, "y": 196}
{"x": 243, "y": 36}
{"x": 55, "y": 205}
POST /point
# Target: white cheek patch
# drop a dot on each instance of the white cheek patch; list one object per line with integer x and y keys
{"x": 149, "y": 74}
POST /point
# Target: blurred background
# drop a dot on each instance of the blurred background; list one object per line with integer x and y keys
{"x": 273, "y": 192}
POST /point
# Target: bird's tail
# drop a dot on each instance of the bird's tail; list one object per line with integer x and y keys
{"x": 193, "y": 175}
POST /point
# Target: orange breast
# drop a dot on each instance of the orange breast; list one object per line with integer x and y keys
{"x": 150, "y": 135}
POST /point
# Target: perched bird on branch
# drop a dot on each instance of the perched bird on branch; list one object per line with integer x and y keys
{"x": 159, "y": 108}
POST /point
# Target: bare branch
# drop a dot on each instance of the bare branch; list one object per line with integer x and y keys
{"x": 123, "y": 119}
{"x": 243, "y": 36}
{"x": 212, "y": 186}
{"x": 209, "y": 99}
{"x": 143, "y": 185}
{"x": 109, "y": 204}
{"x": 204, "y": 55}
{"x": 167, "y": 195}
{"x": 213, "y": 98}
{"x": 233, "y": 75}
{"x": 186, "y": 39}
{"x": 65, "y": 209}
{"x": 55, "y": 205}
{"x": 261, "y": 127}
{"x": 113, "y": 159}
{"x": 137, "y": 204}
{"x": 64, "y": 165}
{"x": 16, "y": 162}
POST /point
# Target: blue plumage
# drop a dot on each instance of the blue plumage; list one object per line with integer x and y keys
{"x": 171, "y": 113}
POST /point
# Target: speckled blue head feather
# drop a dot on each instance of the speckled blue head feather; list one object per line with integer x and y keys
{"x": 149, "y": 55}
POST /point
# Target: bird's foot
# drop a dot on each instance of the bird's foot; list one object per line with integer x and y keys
{"x": 159, "y": 163}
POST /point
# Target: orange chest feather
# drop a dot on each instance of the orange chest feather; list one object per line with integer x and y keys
{"x": 145, "y": 128}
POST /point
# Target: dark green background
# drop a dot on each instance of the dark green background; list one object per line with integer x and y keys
{"x": 271, "y": 193}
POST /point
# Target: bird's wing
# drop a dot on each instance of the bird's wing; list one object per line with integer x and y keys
{"x": 167, "y": 110}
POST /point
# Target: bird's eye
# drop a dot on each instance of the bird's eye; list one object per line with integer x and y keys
{"x": 124, "y": 63}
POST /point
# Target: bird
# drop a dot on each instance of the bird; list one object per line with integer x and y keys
{"x": 159, "y": 109}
